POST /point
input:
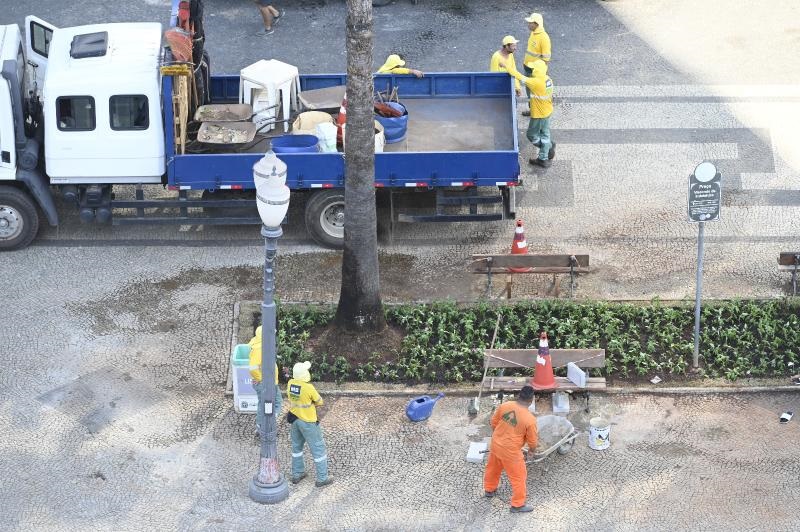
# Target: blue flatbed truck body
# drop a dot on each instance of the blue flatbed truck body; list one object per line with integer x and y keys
{"x": 403, "y": 169}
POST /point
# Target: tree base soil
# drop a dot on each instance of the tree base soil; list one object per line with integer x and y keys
{"x": 357, "y": 348}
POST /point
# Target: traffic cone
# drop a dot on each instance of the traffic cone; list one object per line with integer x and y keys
{"x": 341, "y": 119}
{"x": 543, "y": 378}
{"x": 519, "y": 246}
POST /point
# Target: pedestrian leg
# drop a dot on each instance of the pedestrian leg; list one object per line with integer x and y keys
{"x": 533, "y": 131}
{"x": 544, "y": 137}
{"x": 298, "y": 442}
{"x": 517, "y": 476}
{"x": 491, "y": 477}
{"x": 316, "y": 443}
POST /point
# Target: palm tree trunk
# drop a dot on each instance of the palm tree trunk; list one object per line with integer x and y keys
{"x": 360, "y": 308}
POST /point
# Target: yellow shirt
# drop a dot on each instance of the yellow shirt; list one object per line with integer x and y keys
{"x": 501, "y": 63}
{"x": 395, "y": 70}
{"x": 255, "y": 360}
{"x": 303, "y": 398}
{"x": 541, "y": 87}
{"x": 538, "y": 48}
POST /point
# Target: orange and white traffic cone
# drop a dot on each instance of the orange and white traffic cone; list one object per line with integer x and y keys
{"x": 519, "y": 246}
{"x": 543, "y": 378}
{"x": 341, "y": 119}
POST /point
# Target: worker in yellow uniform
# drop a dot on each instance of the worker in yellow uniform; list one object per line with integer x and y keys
{"x": 538, "y": 46}
{"x": 503, "y": 60}
{"x": 395, "y": 64}
{"x": 255, "y": 373}
{"x": 303, "y": 402}
{"x": 540, "y": 87}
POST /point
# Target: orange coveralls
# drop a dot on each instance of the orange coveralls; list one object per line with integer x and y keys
{"x": 513, "y": 426}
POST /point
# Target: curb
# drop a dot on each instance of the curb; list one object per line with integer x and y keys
{"x": 614, "y": 390}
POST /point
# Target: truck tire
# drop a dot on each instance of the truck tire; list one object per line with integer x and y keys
{"x": 325, "y": 217}
{"x": 19, "y": 219}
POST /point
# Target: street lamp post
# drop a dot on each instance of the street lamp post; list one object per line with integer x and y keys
{"x": 268, "y": 485}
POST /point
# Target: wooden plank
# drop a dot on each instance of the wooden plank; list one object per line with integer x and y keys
{"x": 481, "y": 263}
{"x": 532, "y": 270}
{"x": 511, "y": 384}
{"x": 583, "y": 358}
{"x": 788, "y": 258}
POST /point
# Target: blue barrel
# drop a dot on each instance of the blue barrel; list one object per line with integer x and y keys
{"x": 295, "y": 144}
{"x": 394, "y": 129}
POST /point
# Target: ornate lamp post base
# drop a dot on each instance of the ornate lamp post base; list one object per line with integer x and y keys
{"x": 268, "y": 493}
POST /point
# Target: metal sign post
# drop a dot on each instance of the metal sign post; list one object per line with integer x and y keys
{"x": 705, "y": 199}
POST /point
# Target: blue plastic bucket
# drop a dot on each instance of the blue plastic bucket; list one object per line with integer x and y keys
{"x": 295, "y": 144}
{"x": 394, "y": 129}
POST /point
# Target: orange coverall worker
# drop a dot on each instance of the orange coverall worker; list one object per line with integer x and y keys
{"x": 514, "y": 426}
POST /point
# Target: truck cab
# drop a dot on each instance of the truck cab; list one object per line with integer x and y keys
{"x": 89, "y": 99}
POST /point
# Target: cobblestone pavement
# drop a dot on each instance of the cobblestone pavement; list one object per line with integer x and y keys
{"x": 114, "y": 340}
{"x": 113, "y": 415}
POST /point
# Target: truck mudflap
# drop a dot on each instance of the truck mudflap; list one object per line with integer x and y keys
{"x": 40, "y": 190}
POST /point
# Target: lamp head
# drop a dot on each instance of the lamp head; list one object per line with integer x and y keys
{"x": 272, "y": 194}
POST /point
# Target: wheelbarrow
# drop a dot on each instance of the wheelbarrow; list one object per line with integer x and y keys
{"x": 556, "y": 434}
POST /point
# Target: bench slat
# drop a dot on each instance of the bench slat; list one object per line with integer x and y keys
{"x": 480, "y": 264}
{"x": 502, "y": 384}
{"x": 595, "y": 358}
{"x": 532, "y": 270}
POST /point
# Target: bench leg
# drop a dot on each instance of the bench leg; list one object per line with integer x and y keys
{"x": 556, "y": 286}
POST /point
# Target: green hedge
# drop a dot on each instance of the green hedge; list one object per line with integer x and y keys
{"x": 443, "y": 341}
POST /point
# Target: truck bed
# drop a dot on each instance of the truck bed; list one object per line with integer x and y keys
{"x": 462, "y": 129}
{"x": 458, "y": 124}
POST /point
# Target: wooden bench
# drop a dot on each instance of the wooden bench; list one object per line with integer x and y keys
{"x": 525, "y": 264}
{"x": 526, "y": 359}
{"x": 789, "y": 261}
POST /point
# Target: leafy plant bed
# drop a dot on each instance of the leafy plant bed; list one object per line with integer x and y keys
{"x": 443, "y": 342}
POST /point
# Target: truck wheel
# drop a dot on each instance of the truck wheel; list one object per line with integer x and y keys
{"x": 325, "y": 217}
{"x": 19, "y": 220}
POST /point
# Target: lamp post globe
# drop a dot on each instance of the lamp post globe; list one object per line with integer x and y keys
{"x": 268, "y": 485}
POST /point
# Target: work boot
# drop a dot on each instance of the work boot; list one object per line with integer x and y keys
{"x": 552, "y": 153}
{"x": 489, "y": 494}
{"x": 321, "y": 483}
{"x": 298, "y": 478}
{"x": 544, "y": 163}
{"x": 521, "y": 509}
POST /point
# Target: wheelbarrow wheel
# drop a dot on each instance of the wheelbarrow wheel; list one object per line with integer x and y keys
{"x": 565, "y": 448}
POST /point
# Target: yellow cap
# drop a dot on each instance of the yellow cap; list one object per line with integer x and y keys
{"x": 300, "y": 371}
{"x": 509, "y": 39}
{"x": 535, "y": 17}
{"x": 393, "y": 61}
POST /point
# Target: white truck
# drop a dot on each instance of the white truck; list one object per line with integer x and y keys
{"x": 86, "y": 109}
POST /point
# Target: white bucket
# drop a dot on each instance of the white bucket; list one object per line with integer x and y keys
{"x": 599, "y": 433}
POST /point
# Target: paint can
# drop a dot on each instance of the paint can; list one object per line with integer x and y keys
{"x": 599, "y": 433}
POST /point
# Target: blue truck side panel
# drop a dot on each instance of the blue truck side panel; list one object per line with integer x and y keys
{"x": 325, "y": 170}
